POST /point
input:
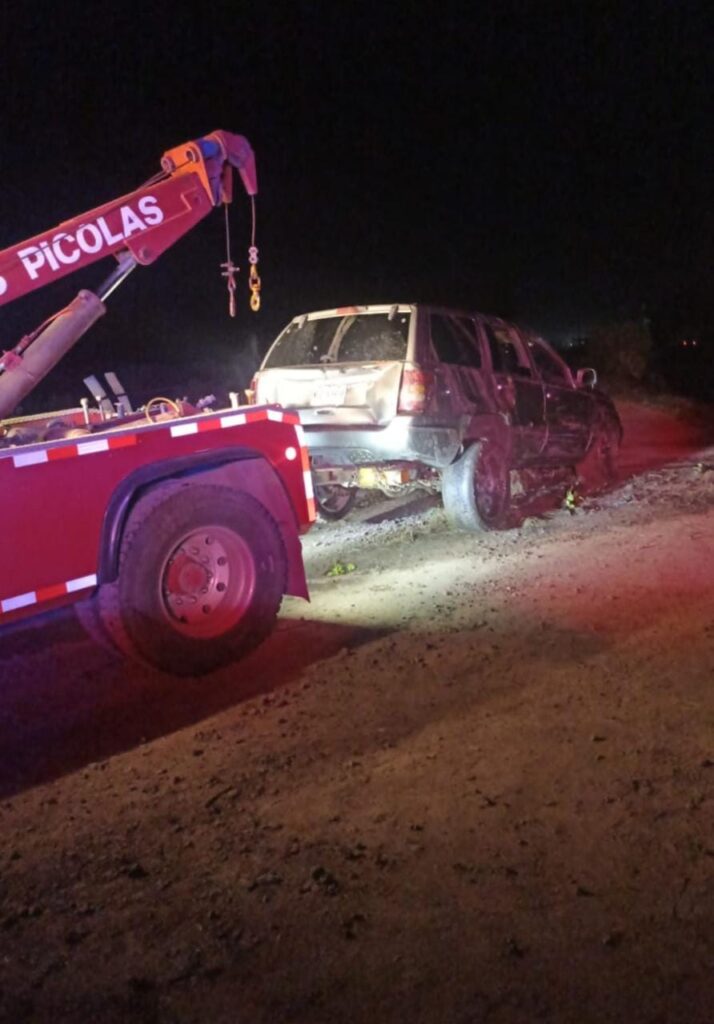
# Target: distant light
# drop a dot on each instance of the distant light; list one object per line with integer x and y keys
{"x": 291, "y": 453}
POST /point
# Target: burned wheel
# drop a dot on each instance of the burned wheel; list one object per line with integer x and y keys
{"x": 599, "y": 467}
{"x": 476, "y": 489}
{"x": 201, "y": 576}
{"x": 334, "y": 501}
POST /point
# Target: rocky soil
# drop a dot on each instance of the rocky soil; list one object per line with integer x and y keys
{"x": 472, "y": 781}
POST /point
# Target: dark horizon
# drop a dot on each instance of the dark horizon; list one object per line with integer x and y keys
{"x": 554, "y": 171}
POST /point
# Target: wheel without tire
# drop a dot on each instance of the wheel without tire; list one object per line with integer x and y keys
{"x": 202, "y": 573}
{"x": 476, "y": 489}
{"x": 599, "y": 467}
{"x": 334, "y": 501}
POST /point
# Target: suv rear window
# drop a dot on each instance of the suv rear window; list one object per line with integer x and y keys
{"x": 360, "y": 338}
{"x": 303, "y": 342}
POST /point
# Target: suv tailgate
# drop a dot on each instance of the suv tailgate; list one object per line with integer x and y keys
{"x": 360, "y": 394}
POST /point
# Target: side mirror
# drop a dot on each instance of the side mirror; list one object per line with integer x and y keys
{"x": 586, "y": 378}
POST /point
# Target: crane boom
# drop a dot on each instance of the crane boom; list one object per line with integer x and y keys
{"x": 195, "y": 177}
{"x": 136, "y": 229}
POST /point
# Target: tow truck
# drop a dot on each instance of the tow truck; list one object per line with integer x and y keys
{"x": 174, "y": 529}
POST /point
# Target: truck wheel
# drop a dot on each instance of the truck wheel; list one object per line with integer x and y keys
{"x": 89, "y": 616}
{"x": 599, "y": 467}
{"x": 334, "y": 501}
{"x": 202, "y": 572}
{"x": 476, "y": 489}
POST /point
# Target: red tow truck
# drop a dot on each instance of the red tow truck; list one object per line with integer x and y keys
{"x": 174, "y": 529}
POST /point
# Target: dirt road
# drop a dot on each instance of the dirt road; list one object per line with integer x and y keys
{"x": 472, "y": 781}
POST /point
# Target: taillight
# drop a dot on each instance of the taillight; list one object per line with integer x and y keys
{"x": 250, "y": 391}
{"x": 414, "y": 390}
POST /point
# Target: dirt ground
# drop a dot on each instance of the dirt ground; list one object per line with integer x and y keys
{"x": 472, "y": 781}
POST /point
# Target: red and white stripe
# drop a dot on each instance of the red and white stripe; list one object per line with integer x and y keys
{"x": 71, "y": 451}
{"x": 306, "y": 473}
{"x": 237, "y": 419}
{"x": 183, "y": 429}
{"x": 11, "y": 604}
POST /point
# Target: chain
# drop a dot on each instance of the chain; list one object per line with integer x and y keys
{"x": 253, "y": 277}
{"x": 229, "y": 269}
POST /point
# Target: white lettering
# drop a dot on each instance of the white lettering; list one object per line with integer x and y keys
{"x": 89, "y": 238}
{"x": 109, "y": 238}
{"x": 3, "y": 285}
{"x": 131, "y": 221}
{"x": 62, "y": 256}
{"x": 64, "y": 249}
{"x": 153, "y": 214}
{"x": 49, "y": 255}
{"x": 32, "y": 259}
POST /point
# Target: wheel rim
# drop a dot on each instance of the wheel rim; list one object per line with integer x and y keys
{"x": 490, "y": 485}
{"x": 605, "y": 452}
{"x": 333, "y": 498}
{"x": 208, "y": 582}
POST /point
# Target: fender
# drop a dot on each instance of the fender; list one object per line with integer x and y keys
{"x": 243, "y": 469}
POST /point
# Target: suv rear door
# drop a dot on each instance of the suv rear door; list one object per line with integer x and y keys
{"x": 517, "y": 390}
{"x": 460, "y": 390}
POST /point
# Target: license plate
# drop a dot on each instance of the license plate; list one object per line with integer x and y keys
{"x": 329, "y": 394}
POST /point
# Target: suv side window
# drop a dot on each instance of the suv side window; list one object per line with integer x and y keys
{"x": 455, "y": 340}
{"x": 549, "y": 366}
{"x": 507, "y": 355}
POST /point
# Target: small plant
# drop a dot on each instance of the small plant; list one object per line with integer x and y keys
{"x": 341, "y": 569}
{"x": 572, "y": 500}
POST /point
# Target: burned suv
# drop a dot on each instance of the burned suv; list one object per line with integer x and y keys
{"x": 404, "y": 396}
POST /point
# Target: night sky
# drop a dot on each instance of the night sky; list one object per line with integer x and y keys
{"x": 551, "y": 163}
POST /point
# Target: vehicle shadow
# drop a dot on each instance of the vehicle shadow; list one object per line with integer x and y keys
{"x": 65, "y": 702}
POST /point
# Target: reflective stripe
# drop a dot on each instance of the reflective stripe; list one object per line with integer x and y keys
{"x": 11, "y": 604}
{"x": 181, "y": 429}
{"x": 29, "y": 459}
{"x": 123, "y": 440}
{"x": 21, "y": 601}
{"x": 90, "y": 447}
{"x": 236, "y": 420}
{"x": 81, "y": 583}
{"x": 307, "y": 477}
{"x": 70, "y": 451}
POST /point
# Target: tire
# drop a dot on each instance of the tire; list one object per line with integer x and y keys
{"x": 89, "y": 616}
{"x": 334, "y": 501}
{"x": 202, "y": 572}
{"x": 598, "y": 470}
{"x": 476, "y": 489}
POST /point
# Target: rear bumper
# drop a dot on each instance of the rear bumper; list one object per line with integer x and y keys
{"x": 402, "y": 440}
